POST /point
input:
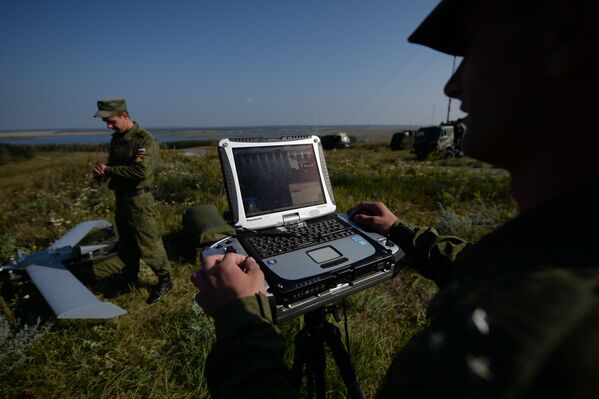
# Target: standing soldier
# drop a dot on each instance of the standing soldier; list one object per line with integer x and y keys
{"x": 134, "y": 154}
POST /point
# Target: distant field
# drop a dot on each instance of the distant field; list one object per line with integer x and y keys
{"x": 159, "y": 351}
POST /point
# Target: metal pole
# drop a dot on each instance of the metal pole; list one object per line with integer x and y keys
{"x": 449, "y": 104}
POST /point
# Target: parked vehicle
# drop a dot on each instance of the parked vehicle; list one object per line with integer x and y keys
{"x": 338, "y": 140}
{"x": 444, "y": 140}
{"x": 403, "y": 140}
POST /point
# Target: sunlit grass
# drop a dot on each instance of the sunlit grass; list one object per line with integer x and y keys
{"x": 159, "y": 351}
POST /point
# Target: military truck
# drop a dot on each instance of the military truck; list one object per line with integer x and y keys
{"x": 338, "y": 140}
{"x": 445, "y": 140}
{"x": 403, "y": 140}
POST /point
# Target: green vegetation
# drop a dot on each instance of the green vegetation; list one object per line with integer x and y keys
{"x": 20, "y": 152}
{"x": 9, "y": 152}
{"x": 159, "y": 351}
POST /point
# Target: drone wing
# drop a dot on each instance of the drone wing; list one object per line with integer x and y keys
{"x": 77, "y": 233}
{"x": 67, "y": 297}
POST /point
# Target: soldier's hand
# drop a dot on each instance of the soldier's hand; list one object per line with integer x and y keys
{"x": 373, "y": 216}
{"x": 99, "y": 170}
{"x": 223, "y": 279}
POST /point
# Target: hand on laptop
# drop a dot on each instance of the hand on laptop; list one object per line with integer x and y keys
{"x": 373, "y": 216}
{"x": 223, "y": 279}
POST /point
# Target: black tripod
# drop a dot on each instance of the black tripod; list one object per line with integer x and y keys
{"x": 309, "y": 352}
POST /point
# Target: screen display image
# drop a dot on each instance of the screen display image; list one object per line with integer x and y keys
{"x": 278, "y": 178}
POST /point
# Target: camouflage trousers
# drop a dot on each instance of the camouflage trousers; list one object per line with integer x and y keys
{"x": 139, "y": 238}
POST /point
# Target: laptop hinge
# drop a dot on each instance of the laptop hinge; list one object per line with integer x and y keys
{"x": 291, "y": 218}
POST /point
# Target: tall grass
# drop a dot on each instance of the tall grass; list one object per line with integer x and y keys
{"x": 159, "y": 351}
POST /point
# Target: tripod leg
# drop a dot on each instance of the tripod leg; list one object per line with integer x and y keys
{"x": 309, "y": 354}
{"x": 300, "y": 358}
{"x": 332, "y": 336}
{"x": 319, "y": 363}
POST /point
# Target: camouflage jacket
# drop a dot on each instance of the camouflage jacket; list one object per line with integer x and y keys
{"x": 516, "y": 315}
{"x": 132, "y": 159}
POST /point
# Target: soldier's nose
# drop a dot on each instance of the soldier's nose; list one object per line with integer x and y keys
{"x": 453, "y": 87}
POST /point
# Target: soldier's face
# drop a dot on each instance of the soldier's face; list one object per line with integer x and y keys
{"x": 502, "y": 85}
{"x": 120, "y": 123}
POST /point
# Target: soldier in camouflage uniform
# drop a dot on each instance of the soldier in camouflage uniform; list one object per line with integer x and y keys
{"x": 134, "y": 155}
{"x": 516, "y": 314}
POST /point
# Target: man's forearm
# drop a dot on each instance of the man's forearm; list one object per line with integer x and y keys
{"x": 431, "y": 254}
{"x": 246, "y": 360}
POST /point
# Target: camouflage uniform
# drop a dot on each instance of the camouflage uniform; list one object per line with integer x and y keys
{"x": 516, "y": 315}
{"x": 132, "y": 161}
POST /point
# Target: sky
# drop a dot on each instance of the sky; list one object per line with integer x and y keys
{"x": 219, "y": 63}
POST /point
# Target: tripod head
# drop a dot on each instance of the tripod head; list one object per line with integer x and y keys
{"x": 318, "y": 317}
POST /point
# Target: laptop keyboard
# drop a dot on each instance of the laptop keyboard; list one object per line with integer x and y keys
{"x": 313, "y": 233}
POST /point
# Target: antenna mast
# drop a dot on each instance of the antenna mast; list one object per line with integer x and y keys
{"x": 449, "y": 104}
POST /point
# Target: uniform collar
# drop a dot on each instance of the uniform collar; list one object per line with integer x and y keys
{"x": 127, "y": 134}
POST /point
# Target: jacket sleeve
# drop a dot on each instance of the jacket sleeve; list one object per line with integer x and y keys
{"x": 246, "y": 361}
{"x": 142, "y": 165}
{"x": 430, "y": 254}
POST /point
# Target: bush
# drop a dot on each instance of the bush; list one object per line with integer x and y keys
{"x": 9, "y": 152}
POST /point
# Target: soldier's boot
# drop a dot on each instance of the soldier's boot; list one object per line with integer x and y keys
{"x": 156, "y": 292}
{"x": 121, "y": 286}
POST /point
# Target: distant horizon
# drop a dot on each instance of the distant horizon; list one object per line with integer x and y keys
{"x": 100, "y": 136}
{"x": 233, "y": 127}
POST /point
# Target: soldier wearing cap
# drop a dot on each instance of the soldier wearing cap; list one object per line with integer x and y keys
{"x": 516, "y": 314}
{"x": 132, "y": 160}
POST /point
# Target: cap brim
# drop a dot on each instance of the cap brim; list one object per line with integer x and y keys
{"x": 445, "y": 29}
{"x": 104, "y": 114}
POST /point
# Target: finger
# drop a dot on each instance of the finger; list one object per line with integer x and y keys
{"x": 200, "y": 280}
{"x": 368, "y": 208}
{"x": 210, "y": 261}
{"x": 356, "y": 209}
{"x": 353, "y": 210}
{"x": 235, "y": 258}
{"x": 231, "y": 262}
{"x": 195, "y": 279}
{"x": 252, "y": 268}
{"x": 206, "y": 282}
{"x": 364, "y": 219}
{"x": 372, "y": 207}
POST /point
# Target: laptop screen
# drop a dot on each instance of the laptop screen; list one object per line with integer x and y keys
{"x": 278, "y": 178}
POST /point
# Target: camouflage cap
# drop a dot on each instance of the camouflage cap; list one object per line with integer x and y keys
{"x": 107, "y": 108}
{"x": 446, "y": 28}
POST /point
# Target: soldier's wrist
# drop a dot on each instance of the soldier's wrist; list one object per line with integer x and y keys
{"x": 401, "y": 234}
{"x": 243, "y": 311}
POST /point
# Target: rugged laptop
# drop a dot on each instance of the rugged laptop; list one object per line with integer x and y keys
{"x": 283, "y": 210}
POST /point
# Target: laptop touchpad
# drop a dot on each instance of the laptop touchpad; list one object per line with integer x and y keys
{"x": 326, "y": 256}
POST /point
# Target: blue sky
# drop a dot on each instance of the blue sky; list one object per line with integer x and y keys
{"x": 219, "y": 63}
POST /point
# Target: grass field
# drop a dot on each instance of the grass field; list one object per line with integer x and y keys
{"x": 159, "y": 351}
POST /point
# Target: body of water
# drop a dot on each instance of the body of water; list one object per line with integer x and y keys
{"x": 170, "y": 135}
